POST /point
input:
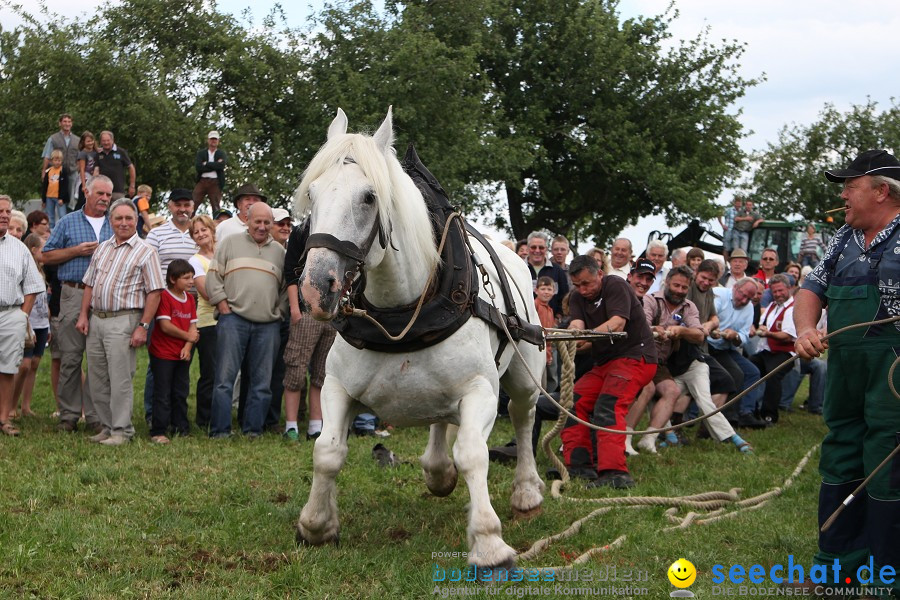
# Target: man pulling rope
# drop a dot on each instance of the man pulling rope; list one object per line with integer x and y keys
{"x": 859, "y": 280}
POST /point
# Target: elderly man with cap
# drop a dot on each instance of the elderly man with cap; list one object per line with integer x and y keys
{"x": 737, "y": 268}
{"x": 858, "y": 281}
{"x": 210, "y": 165}
{"x": 244, "y": 281}
{"x": 246, "y": 196}
{"x": 19, "y": 286}
{"x": 171, "y": 240}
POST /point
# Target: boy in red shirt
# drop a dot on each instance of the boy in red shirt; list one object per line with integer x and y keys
{"x": 170, "y": 352}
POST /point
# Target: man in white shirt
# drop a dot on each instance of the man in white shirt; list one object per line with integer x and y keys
{"x": 210, "y": 166}
{"x": 657, "y": 252}
{"x": 18, "y": 289}
{"x": 816, "y": 368}
{"x": 620, "y": 258}
{"x": 776, "y": 345}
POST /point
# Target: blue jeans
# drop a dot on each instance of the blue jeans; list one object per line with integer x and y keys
{"x": 817, "y": 369}
{"x": 238, "y": 337}
{"x": 54, "y": 210}
{"x": 809, "y": 260}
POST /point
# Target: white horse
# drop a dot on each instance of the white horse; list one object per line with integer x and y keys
{"x": 354, "y": 185}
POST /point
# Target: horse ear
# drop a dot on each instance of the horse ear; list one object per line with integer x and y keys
{"x": 384, "y": 137}
{"x": 339, "y": 125}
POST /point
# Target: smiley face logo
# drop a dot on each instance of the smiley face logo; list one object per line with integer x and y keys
{"x": 682, "y": 573}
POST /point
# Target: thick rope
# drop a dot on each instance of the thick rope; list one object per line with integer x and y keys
{"x": 719, "y": 501}
{"x": 771, "y": 373}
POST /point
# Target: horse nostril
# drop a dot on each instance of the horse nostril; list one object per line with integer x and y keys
{"x": 333, "y": 284}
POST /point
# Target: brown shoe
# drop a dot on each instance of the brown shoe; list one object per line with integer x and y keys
{"x": 96, "y": 427}
{"x": 67, "y": 426}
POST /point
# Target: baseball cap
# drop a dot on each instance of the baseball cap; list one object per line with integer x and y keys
{"x": 642, "y": 265}
{"x": 280, "y": 214}
{"x": 870, "y": 162}
{"x": 212, "y": 134}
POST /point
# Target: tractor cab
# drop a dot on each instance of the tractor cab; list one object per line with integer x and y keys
{"x": 782, "y": 236}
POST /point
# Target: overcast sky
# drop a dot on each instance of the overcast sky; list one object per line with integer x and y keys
{"x": 811, "y": 52}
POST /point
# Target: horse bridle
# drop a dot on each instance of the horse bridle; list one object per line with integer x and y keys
{"x": 347, "y": 248}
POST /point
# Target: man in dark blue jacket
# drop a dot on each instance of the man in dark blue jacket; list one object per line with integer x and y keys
{"x": 210, "y": 165}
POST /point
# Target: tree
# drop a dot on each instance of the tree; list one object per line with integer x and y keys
{"x": 594, "y": 124}
{"x": 160, "y": 74}
{"x": 584, "y": 122}
{"x": 788, "y": 176}
{"x": 363, "y": 62}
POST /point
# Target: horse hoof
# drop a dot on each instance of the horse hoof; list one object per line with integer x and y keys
{"x": 444, "y": 485}
{"x": 523, "y": 515}
{"x": 302, "y": 540}
{"x": 493, "y": 574}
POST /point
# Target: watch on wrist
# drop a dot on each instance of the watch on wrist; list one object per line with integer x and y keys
{"x": 145, "y": 326}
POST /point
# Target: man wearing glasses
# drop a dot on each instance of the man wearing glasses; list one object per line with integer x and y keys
{"x": 767, "y": 265}
{"x": 541, "y": 266}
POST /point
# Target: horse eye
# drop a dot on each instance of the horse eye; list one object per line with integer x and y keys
{"x": 369, "y": 198}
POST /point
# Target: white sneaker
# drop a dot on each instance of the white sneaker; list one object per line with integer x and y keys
{"x": 115, "y": 440}
{"x": 647, "y": 443}
{"x": 103, "y": 435}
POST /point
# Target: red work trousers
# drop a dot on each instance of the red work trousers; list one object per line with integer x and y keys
{"x": 602, "y": 397}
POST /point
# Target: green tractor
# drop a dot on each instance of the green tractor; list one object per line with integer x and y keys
{"x": 783, "y": 236}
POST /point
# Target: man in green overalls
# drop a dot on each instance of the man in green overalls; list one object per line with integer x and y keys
{"x": 859, "y": 281}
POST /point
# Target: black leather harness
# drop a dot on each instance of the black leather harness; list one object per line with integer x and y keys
{"x": 453, "y": 295}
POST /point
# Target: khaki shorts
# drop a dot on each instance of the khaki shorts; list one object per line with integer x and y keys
{"x": 13, "y": 327}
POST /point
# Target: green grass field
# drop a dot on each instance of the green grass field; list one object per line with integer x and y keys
{"x": 214, "y": 519}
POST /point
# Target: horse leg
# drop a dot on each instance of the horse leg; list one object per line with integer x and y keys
{"x": 528, "y": 489}
{"x": 318, "y": 522}
{"x": 440, "y": 472}
{"x": 477, "y": 411}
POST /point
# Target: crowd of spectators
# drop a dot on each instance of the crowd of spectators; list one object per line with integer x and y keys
{"x": 115, "y": 278}
{"x": 105, "y": 277}
{"x": 715, "y": 332}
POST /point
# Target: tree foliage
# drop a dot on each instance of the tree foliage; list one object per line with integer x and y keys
{"x": 789, "y": 175}
{"x": 159, "y": 74}
{"x": 586, "y": 122}
{"x": 583, "y": 121}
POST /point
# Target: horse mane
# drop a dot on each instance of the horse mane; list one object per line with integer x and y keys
{"x": 401, "y": 208}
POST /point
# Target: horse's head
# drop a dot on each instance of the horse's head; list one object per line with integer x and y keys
{"x": 346, "y": 191}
